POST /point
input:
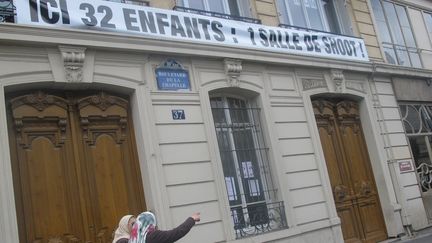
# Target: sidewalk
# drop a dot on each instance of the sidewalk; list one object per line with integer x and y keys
{"x": 422, "y": 236}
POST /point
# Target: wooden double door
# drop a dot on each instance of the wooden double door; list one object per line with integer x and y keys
{"x": 350, "y": 172}
{"x": 75, "y": 166}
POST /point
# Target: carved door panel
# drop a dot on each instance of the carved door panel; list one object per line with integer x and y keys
{"x": 350, "y": 172}
{"x": 108, "y": 152}
{"x": 63, "y": 192}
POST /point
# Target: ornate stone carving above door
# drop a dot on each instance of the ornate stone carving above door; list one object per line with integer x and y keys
{"x": 338, "y": 79}
{"x": 73, "y": 60}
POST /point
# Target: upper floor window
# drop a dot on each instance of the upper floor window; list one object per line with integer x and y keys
{"x": 322, "y": 15}
{"x": 232, "y": 7}
{"x": 245, "y": 162}
{"x": 396, "y": 35}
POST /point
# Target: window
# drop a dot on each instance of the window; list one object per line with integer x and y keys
{"x": 417, "y": 119}
{"x": 322, "y": 15}
{"x": 244, "y": 155}
{"x": 239, "y": 8}
{"x": 396, "y": 35}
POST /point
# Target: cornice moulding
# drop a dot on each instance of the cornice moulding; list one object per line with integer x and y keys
{"x": 18, "y": 34}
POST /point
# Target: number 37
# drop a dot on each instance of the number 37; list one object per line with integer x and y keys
{"x": 91, "y": 19}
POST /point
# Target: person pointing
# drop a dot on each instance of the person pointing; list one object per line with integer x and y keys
{"x": 145, "y": 229}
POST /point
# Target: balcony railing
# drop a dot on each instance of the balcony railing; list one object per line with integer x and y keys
{"x": 293, "y": 27}
{"x": 424, "y": 172}
{"x": 7, "y": 11}
{"x": 256, "y": 219}
{"x": 135, "y": 2}
{"x": 217, "y": 15}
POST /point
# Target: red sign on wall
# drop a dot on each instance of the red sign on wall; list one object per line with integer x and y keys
{"x": 405, "y": 166}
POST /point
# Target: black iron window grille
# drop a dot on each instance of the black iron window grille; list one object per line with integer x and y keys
{"x": 245, "y": 161}
{"x": 217, "y": 14}
{"x": 262, "y": 218}
{"x": 7, "y": 11}
{"x": 417, "y": 120}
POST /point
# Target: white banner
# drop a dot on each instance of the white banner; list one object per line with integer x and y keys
{"x": 174, "y": 25}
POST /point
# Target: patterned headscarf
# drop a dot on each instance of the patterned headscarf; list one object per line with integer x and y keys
{"x": 122, "y": 232}
{"x": 144, "y": 224}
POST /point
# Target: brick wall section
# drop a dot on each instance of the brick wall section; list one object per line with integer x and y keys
{"x": 266, "y": 11}
{"x": 363, "y": 27}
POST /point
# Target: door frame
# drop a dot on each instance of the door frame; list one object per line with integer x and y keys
{"x": 390, "y": 208}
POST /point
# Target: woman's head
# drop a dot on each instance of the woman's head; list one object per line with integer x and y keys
{"x": 124, "y": 228}
{"x": 145, "y": 223}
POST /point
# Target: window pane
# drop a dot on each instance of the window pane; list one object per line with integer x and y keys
{"x": 314, "y": 16}
{"x": 238, "y": 111}
{"x": 283, "y": 11}
{"x": 406, "y": 27}
{"x": 390, "y": 54}
{"x": 419, "y": 149}
{"x": 234, "y": 8}
{"x": 381, "y": 21}
{"x": 228, "y": 164}
{"x": 296, "y": 11}
{"x": 394, "y": 26}
{"x": 197, "y": 4}
{"x": 216, "y": 6}
{"x": 218, "y": 110}
{"x": 248, "y": 164}
{"x": 331, "y": 15}
{"x": 428, "y": 20}
{"x": 344, "y": 19}
{"x": 244, "y": 7}
{"x": 415, "y": 59}
{"x": 402, "y": 55}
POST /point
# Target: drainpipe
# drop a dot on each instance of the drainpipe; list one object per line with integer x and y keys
{"x": 405, "y": 217}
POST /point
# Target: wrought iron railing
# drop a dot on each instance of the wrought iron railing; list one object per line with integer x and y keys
{"x": 7, "y": 11}
{"x": 258, "y": 218}
{"x": 217, "y": 15}
{"x": 424, "y": 172}
{"x": 135, "y": 2}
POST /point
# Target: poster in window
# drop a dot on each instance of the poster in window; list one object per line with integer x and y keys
{"x": 254, "y": 189}
{"x": 247, "y": 169}
{"x": 230, "y": 185}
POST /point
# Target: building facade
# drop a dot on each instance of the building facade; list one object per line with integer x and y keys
{"x": 270, "y": 146}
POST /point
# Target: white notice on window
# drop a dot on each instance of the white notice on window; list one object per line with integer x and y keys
{"x": 254, "y": 188}
{"x": 230, "y": 185}
{"x": 247, "y": 169}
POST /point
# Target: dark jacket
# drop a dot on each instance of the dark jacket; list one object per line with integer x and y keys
{"x": 168, "y": 236}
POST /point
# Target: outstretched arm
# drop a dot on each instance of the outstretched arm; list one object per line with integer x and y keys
{"x": 169, "y": 236}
